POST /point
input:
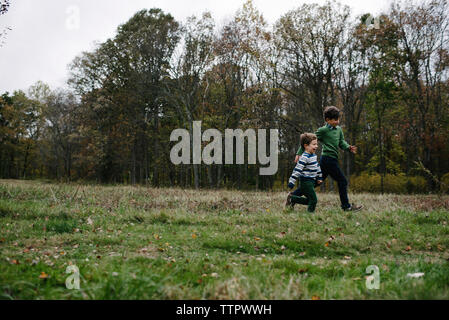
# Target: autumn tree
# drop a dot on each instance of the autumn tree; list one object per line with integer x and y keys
{"x": 311, "y": 39}
{"x": 122, "y": 80}
{"x": 4, "y": 6}
{"x": 424, "y": 44}
{"x": 185, "y": 92}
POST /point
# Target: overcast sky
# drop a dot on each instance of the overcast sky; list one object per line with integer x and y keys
{"x": 47, "y": 34}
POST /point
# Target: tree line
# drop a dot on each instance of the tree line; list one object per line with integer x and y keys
{"x": 388, "y": 74}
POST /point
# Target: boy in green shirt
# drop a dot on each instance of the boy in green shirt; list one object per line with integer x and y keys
{"x": 332, "y": 138}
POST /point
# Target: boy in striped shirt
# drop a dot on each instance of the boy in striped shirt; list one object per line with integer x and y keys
{"x": 309, "y": 173}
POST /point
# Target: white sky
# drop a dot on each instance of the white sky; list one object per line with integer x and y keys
{"x": 44, "y": 38}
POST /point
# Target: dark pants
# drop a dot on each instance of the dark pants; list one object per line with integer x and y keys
{"x": 330, "y": 167}
{"x": 307, "y": 190}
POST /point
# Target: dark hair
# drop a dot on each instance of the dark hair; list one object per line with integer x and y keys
{"x": 331, "y": 112}
{"x": 307, "y": 138}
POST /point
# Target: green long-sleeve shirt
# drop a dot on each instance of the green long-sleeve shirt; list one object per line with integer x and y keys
{"x": 331, "y": 139}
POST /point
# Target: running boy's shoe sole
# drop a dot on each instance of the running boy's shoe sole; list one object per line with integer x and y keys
{"x": 288, "y": 202}
{"x": 354, "y": 208}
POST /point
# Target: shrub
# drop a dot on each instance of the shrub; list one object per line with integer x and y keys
{"x": 392, "y": 183}
{"x": 417, "y": 185}
{"x": 445, "y": 183}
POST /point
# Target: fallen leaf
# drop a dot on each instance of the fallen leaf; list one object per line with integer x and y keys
{"x": 157, "y": 237}
{"x": 43, "y": 275}
{"x": 326, "y": 244}
{"x": 256, "y": 238}
{"x": 315, "y": 298}
{"x": 408, "y": 248}
{"x": 193, "y": 236}
{"x": 89, "y": 221}
{"x": 302, "y": 270}
{"x": 347, "y": 257}
{"x": 214, "y": 274}
{"x": 14, "y": 261}
{"x": 415, "y": 275}
{"x": 440, "y": 248}
{"x": 302, "y": 254}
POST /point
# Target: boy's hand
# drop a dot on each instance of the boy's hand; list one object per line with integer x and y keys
{"x": 318, "y": 182}
{"x": 353, "y": 149}
{"x": 296, "y": 158}
{"x": 291, "y": 185}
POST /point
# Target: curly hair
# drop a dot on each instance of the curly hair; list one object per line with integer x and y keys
{"x": 307, "y": 138}
{"x": 331, "y": 112}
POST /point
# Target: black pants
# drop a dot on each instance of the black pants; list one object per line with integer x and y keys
{"x": 330, "y": 167}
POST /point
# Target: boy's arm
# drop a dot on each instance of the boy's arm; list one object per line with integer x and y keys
{"x": 297, "y": 171}
{"x": 319, "y": 174}
{"x": 342, "y": 143}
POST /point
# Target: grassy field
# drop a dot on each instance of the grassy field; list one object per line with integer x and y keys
{"x": 143, "y": 243}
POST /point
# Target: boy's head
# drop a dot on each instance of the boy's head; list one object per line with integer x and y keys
{"x": 332, "y": 115}
{"x": 309, "y": 142}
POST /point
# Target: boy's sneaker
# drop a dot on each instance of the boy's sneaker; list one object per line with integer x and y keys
{"x": 354, "y": 207}
{"x": 289, "y": 200}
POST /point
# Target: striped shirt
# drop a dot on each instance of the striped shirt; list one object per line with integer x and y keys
{"x": 307, "y": 167}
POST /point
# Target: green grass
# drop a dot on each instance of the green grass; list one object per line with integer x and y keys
{"x": 140, "y": 243}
